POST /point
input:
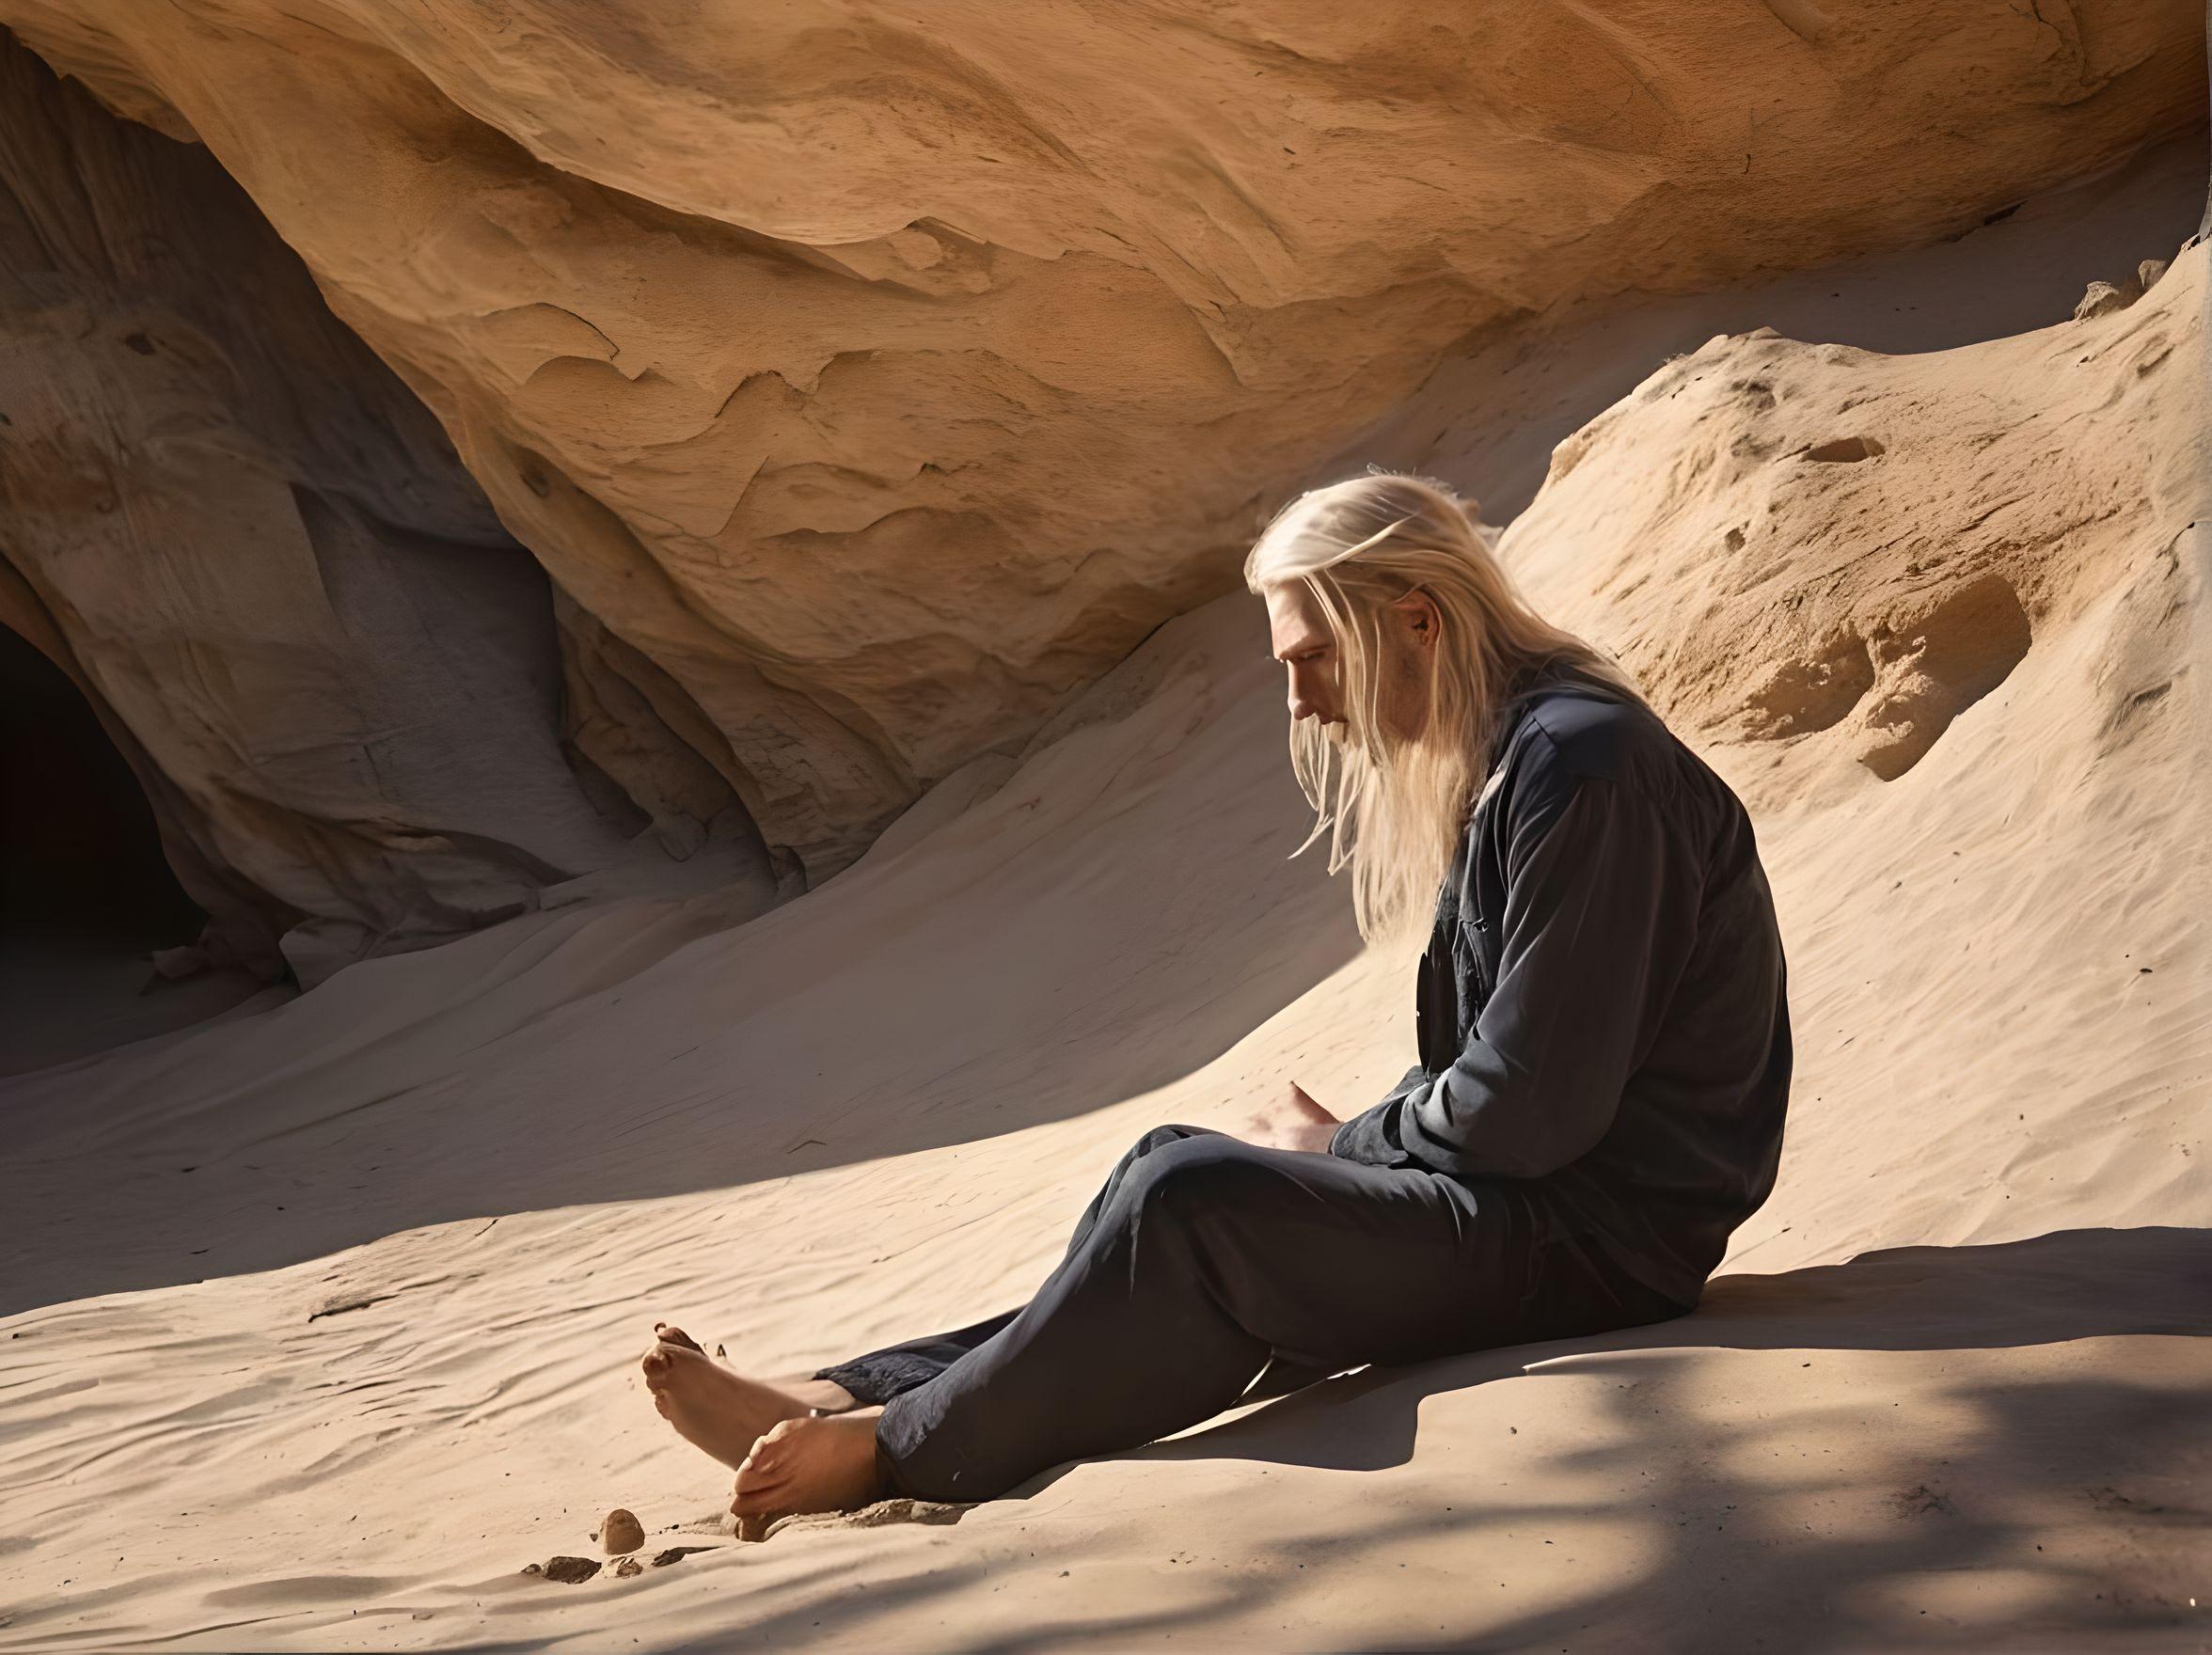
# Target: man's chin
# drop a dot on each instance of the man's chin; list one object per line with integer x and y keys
{"x": 1380, "y": 748}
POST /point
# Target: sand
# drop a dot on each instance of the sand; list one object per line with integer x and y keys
{"x": 322, "y": 1321}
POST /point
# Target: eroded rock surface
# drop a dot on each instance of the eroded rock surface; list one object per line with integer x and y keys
{"x": 335, "y": 674}
{"x": 872, "y": 379}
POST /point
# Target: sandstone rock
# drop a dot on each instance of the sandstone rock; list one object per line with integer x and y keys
{"x": 620, "y": 1532}
{"x": 2100, "y": 298}
{"x": 571, "y": 1571}
{"x": 628, "y": 1566}
{"x": 250, "y": 546}
{"x": 881, "y": 426}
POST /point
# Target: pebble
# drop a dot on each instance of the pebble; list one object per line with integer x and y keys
{"x": 620, "y": 1532}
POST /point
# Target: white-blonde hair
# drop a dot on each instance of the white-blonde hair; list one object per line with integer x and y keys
{"x": 1398, "y": 808}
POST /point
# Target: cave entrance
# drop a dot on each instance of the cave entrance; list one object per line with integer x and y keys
{"x": 86, "y": 893}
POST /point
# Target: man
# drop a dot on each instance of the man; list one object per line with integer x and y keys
{"x": 1604, "y": 1063}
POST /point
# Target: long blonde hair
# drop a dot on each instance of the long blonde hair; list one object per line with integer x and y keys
{"x": 1398, "y": 808}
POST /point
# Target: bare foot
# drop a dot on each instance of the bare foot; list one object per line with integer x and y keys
{"x": 822, "y": 1396}
{"x": 713, "y": 1408}
{"x": 810, "y": 1465}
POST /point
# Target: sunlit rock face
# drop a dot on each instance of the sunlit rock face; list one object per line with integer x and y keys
{"x": 334, "y": 673}
{"x": 1825, "y": 556}
{"x": 868, "y": 379}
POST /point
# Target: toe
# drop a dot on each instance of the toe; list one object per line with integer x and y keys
{"x": 669, "y": 1333}
{"x": 761, "y": 1471}
{"x": 755, "y": 1496}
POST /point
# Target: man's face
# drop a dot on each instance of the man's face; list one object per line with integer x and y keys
{"x": 1302, "y": 643}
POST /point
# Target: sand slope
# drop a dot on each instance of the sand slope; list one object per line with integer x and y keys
{"x": 322, "y": 1322}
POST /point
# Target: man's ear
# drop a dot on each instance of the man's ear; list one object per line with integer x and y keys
{"x": 1419, "y": 612}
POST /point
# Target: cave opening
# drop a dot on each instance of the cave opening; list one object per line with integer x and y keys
{"x": 86, "y": 893}
{"x": 79, "y": 851}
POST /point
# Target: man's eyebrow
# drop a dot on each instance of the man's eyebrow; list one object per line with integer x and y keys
{"x": 1310, "y": 641}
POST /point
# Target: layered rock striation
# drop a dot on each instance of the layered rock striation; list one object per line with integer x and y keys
{"x": 335, "y": 674}
{"x": 868, "y": 379}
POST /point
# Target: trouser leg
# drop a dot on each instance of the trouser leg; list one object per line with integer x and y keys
{"x": 1201, "y": 1258}
{"x": 880, "y": 1375}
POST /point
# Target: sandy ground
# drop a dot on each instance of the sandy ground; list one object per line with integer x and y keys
{"x": 322, "y": 1321}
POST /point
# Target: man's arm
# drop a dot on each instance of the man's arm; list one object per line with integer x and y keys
{"x": 1601, "y": 913}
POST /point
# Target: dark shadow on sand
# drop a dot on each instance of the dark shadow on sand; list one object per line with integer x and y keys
{"x": 2068, "y": 1285}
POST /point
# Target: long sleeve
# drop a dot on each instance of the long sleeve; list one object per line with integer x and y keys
{"x": 1601, "y": 904}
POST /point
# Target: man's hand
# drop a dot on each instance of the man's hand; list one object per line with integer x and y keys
{"x": 1295, "y": 1122}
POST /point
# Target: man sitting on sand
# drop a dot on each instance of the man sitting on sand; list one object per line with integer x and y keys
{"x": 1604, "y": 1063}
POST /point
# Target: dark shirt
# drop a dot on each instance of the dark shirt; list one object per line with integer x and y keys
{"x": 1603, "y": 1021}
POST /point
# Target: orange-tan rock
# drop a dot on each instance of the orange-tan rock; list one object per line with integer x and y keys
{"x": 878, "y": 378}
{"x": 335, "y": 675}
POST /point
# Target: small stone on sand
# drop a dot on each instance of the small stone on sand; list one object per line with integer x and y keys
{"x": 676, "y": 1554}
{"x": 569, "y": 1572}
{"x": 620, "y": 1532}
{"x": 628, "y": 1566}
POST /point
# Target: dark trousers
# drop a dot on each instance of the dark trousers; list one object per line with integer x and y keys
{"x": 1202, "y": 1261}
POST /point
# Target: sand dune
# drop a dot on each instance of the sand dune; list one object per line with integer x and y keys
{"x": 322, "y": 1321}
